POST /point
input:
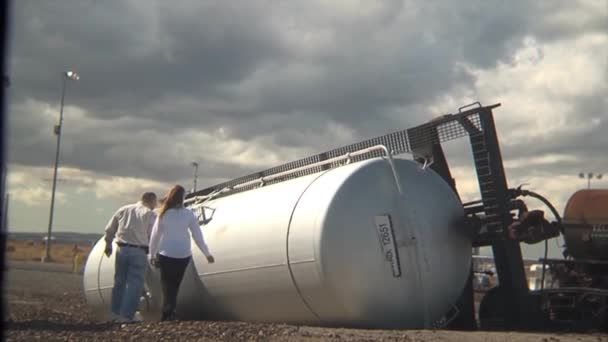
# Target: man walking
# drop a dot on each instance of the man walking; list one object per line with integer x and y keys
{"x": 131, "y": 225}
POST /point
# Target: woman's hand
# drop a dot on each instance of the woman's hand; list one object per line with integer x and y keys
{"x": 153, "y": 261}
{"x": 210, "y": 259}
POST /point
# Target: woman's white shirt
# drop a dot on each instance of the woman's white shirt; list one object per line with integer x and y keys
{"x": 170, "y": 234}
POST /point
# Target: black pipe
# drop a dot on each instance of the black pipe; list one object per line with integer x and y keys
{"x": 539, "y": 197}
{"x": 558, "y": 218}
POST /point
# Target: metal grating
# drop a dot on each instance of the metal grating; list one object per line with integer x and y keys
{"x": 417, "y": 140}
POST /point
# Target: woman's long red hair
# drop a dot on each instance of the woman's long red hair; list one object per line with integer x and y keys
{"x": 174, "y": 199}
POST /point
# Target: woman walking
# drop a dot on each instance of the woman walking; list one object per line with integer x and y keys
{"x": 170, "y": 246}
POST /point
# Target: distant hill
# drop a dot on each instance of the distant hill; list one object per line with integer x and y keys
{"x": 61, "y": 237}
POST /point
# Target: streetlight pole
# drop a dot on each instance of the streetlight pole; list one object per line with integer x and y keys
{"x": 195, "y": 164}
{"x": 589, "y": 176}
{"x": 68, "y": 75}
{"x": 5, "y": 214}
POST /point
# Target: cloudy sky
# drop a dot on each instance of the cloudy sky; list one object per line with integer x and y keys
{"x": 239, "y": 86}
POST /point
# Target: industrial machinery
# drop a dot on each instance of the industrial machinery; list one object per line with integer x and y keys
{"x": 578, "y": 297}
{"x": 358, "y": 237}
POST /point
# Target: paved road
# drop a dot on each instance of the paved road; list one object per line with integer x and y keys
{"x": 40, "y": 266}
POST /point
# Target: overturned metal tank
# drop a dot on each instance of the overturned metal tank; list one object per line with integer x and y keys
{"x": 371, "y": 244}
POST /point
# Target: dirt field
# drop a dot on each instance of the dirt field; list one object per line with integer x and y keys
{"x": 48, "y": 306}
{"x": 34, "y": 250}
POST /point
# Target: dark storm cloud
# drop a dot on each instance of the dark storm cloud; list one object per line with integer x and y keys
{"x": 133, "y": 54}
{"x": 296, "y": 77}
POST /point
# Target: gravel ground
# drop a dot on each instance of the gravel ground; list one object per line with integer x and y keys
{"x": 49, "y": 306}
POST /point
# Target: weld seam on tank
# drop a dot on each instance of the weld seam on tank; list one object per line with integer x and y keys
{"x": 240, "y": 269}
{"x": 293, "y": 279}
{"x": 421, "y": 287}
{"x": 419, "y": 269}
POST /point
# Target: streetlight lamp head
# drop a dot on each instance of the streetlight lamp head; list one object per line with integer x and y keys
{"x": 72, "y": 75}
{"x": 194, "y": 164}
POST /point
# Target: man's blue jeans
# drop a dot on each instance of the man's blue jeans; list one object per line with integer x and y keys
{"x": 130, "y": 269}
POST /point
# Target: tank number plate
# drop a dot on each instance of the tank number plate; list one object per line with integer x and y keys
{"x": 387, "y": 243}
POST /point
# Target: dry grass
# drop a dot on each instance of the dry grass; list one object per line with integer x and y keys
{"x": 34, "y": 250}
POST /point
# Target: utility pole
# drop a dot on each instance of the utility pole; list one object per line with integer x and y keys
{"x": 195, "y": 165}
{"x": 589, "y": 176}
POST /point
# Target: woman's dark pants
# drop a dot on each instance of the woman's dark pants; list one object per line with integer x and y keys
{"x": 171, "y": 275}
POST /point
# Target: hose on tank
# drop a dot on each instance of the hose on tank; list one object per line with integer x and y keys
{"x": 558, "y": 219}
{"x": 539, "y": 197}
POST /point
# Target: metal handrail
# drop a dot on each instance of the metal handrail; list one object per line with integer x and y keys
{"x": 198, "y": 199}
{"x": 347, "y": 156}
{"x": 329, "y": 161}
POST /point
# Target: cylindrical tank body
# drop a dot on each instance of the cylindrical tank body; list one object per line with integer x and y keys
{"x": 586, "y": 224}
{"x": 341, "y": 247}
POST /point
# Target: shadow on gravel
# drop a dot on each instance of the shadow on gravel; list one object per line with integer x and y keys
{"x": 55, "y": 326}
